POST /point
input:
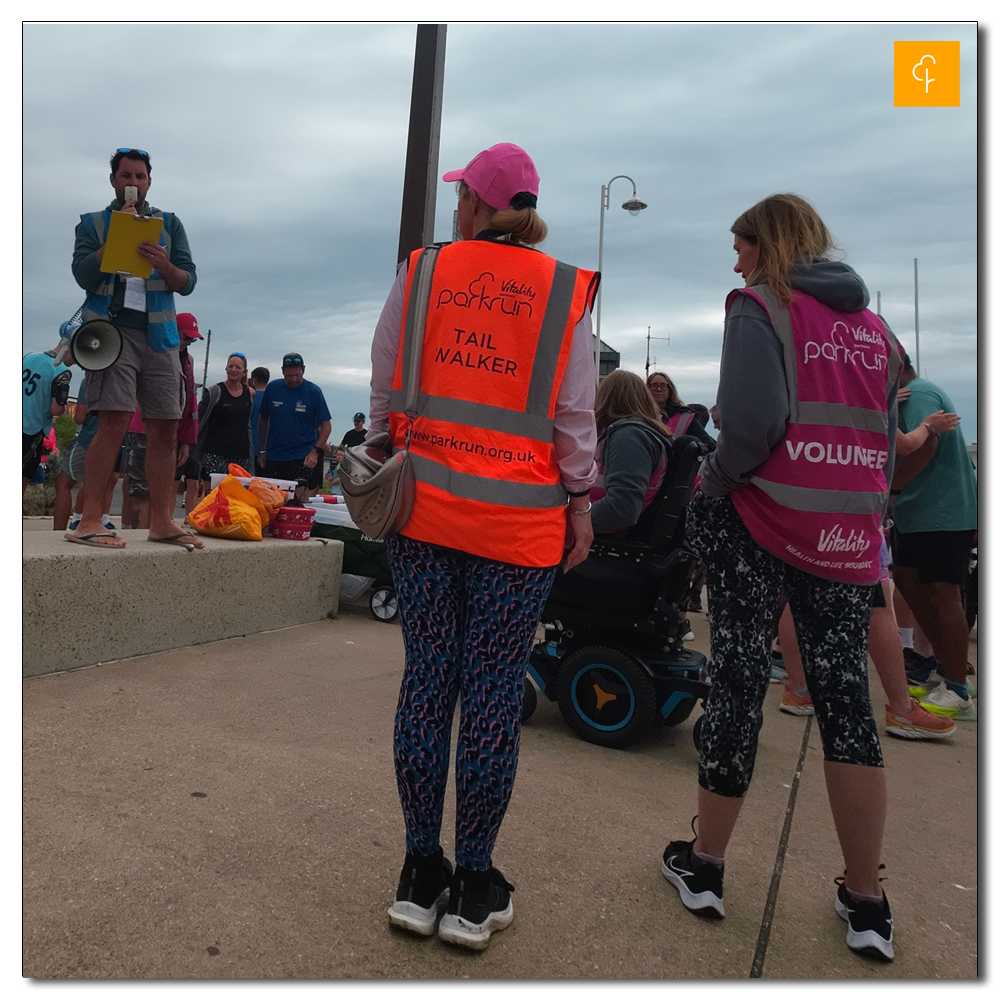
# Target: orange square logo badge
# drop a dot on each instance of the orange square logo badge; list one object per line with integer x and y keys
{"x": 925, "y": 75}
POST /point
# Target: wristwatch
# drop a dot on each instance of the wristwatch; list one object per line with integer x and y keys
{"x": 931, "y": 429}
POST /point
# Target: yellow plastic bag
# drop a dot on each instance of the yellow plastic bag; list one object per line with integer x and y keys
{"x": 230, "y": 511}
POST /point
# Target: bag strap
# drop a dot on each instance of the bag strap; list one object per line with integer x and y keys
{"x": 413, "y": 335}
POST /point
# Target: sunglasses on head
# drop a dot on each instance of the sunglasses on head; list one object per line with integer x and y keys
{"x": 129, "y": 149}
{"x": 236, "y": 354}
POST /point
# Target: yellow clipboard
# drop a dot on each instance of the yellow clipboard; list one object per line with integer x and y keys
{"x": 125, "y": 234}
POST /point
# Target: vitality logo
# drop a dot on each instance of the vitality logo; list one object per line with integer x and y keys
{"x": 926, "y": 74}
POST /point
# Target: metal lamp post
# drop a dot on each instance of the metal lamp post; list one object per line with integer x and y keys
{"x": 633, "y": 206}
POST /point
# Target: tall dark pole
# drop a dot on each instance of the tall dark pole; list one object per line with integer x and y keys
{"x": 416, "y": 224}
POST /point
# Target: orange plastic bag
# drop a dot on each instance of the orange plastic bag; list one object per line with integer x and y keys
{"x": 272, "y": 497}
{"x": 230, "y": 511}
{"x": 238, "y": 470}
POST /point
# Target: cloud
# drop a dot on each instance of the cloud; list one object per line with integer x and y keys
{"x": 282, "y": 149}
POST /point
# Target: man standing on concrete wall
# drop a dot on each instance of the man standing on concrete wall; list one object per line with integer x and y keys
{"x": 148, "y": 372}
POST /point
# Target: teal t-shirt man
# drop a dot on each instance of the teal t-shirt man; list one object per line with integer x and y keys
{"x": 944, "y": 496}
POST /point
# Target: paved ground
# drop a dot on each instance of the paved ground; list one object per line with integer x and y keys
{"x": 229, "y": 811}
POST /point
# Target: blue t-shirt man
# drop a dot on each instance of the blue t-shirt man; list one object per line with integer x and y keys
{"x": 294, "y": 425}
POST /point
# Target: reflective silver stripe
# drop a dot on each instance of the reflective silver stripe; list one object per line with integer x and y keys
{"x": 98, "y": 219}
{"x": 806, "y": 498}
{"x": 842, "y": 415}
{"x": 550, "y": 339}
{"x": 162, "y": 317}
{"x": 781, "y": 320}
{"x": 416, "y": 319}
{"x": 156, "y": 285}
{"x": 497, "y": 491}
{"x": 490, "y": 418}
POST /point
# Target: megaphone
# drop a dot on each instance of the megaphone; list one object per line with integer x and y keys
{"x": 96, "y": 345}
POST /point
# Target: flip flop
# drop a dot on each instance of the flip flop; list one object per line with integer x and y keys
{"x": 178, "y": 539}
{"x": 89, "y": 539}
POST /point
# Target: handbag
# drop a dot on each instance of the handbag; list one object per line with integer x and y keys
{"x": 378, "y": 482}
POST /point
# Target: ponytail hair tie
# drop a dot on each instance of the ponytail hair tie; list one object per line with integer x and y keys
{"x": 523, "y": 199}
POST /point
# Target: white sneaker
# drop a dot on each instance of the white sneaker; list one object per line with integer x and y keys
{"x": 944, "y": 702}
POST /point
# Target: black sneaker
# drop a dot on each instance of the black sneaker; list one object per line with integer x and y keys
{"x": 480, "y": 903}
{"x": 699, "y": 882}
{"x": 424, "y": 886}
{"x": 869, "y": 925}
{"x": 919, "y": 668}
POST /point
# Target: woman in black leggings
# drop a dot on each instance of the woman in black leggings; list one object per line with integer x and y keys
{"x": 791, "y": 502}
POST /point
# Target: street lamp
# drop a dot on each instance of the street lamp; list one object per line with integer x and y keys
{"x": 648, "y": 339}
{"x": 633, "y": 206}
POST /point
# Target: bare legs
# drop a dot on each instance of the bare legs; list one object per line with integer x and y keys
{"x": 858, "y": 803}
{"x": 161, "y": 463}
{"x": 938, "y": 609}
{"x": 99, "y": 465}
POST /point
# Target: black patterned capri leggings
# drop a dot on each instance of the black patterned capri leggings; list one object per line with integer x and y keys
{"x": 831, "y": 621}
{"x": 468, "y": 627}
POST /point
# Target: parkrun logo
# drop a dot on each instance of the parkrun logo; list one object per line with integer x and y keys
{"x": 862, "y": 351}
{"x": 512, "y": 298}
{"x": 926, "y": 74}
{"x": 834, "y": 541}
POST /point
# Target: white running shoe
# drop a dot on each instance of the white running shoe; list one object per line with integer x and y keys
{"x": 943, "y": 701}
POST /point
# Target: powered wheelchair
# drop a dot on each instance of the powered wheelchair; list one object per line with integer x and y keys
{"x": 613, "y": 654}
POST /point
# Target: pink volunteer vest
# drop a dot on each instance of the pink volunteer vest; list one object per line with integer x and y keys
{"x": 597, "y": 491}
{"x": 679, "y": 423}
{"x": 817, "y": 501}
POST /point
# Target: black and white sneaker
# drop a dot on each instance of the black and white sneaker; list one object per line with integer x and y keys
{"x": 480, "y": 904}
{"x": 699, "y": 882}
{"x": 424, "y": 886}
{"x": 869, "y": 925}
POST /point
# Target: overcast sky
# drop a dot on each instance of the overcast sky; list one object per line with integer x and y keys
{"x": 281, "y": 148}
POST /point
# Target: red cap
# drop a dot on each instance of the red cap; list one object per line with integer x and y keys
{"x": 188, "y": 325}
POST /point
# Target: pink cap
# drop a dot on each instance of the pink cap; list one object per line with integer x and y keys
{"x": 498, "y": 174}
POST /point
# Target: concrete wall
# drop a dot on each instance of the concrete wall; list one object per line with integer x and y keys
{"x": 83, "y": 605}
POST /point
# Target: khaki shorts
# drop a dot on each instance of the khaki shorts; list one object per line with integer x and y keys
{"x": 141, "y": 377}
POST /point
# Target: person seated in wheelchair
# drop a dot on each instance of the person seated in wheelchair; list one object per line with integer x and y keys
{"x": 633, "y": 450}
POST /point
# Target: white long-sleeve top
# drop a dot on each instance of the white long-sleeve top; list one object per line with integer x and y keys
{"x": 575, "y": 433}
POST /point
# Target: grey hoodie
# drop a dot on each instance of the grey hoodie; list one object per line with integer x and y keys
{"x": 753, "y": 392}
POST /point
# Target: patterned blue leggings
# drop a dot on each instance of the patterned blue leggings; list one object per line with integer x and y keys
{"x": 831, "y": 622}
{"x": 468, "y": 626}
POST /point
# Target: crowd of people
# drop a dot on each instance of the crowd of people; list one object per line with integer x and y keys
{"x": 139, "y": 419}
{"x": 517, "y": 463}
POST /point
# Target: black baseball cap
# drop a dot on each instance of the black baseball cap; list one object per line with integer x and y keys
{"x": 292, "y": 361}
{"x": 359, "y": 416}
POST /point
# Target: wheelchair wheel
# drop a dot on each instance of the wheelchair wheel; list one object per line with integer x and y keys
{"x": 696, "y": 732}
{"x": 383, "y": 604}
{"x": 530, "y": 702}
{"x": 681, "y": 711}
{"x": 606, "y": 697}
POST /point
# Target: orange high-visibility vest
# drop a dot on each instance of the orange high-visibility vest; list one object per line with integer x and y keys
{"x": 499, "y": 328}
